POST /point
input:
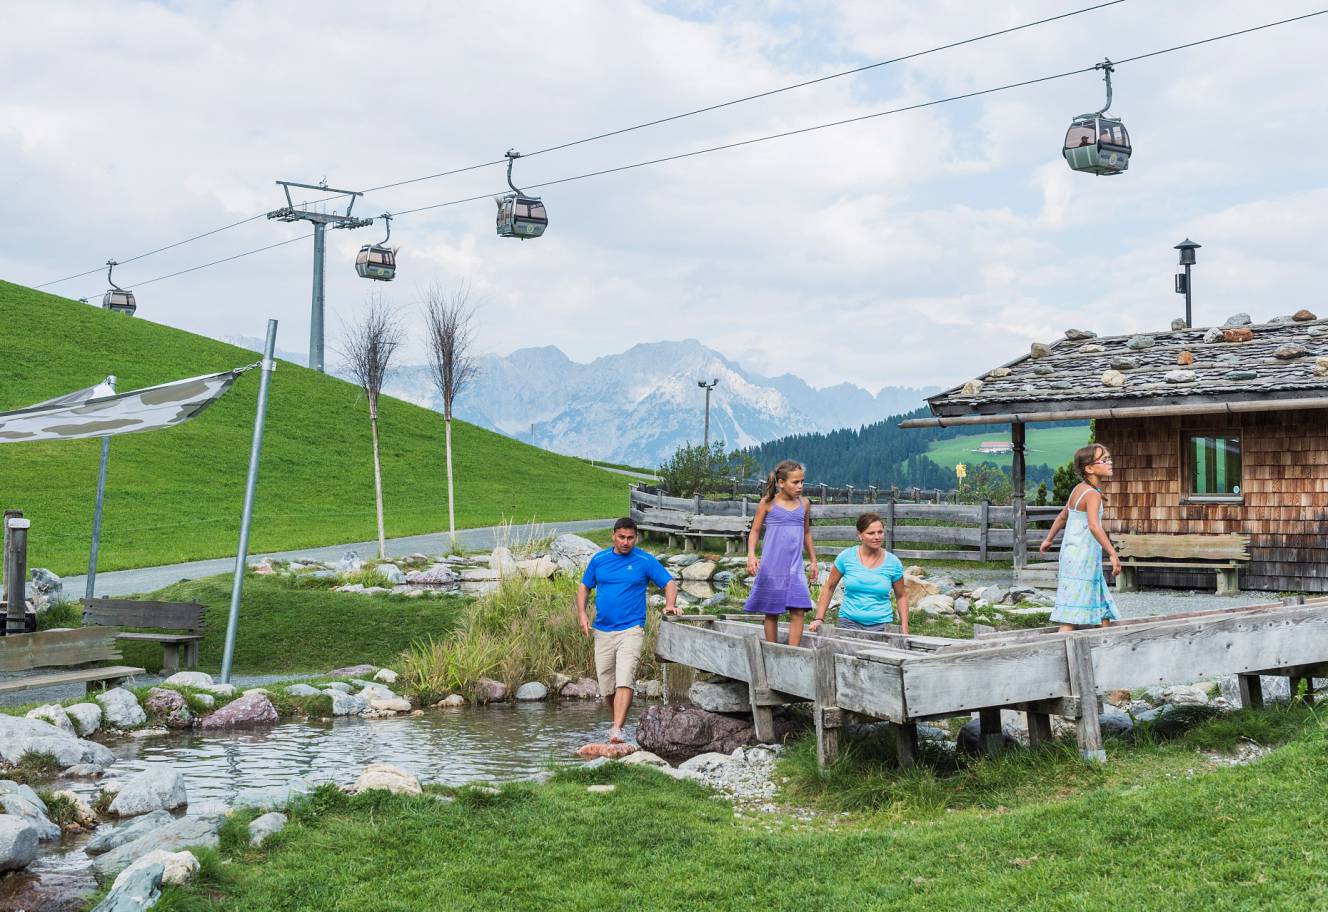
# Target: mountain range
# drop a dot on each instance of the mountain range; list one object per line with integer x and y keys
{"x": 637, "y": 407}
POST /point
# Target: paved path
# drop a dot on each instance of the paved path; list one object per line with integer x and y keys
{"x": 146, "y": 579}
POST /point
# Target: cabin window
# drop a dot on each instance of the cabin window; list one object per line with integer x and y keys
{"x": 1213, "y": 464}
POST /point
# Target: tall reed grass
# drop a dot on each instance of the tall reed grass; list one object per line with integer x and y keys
{"x": 525, "y": 630}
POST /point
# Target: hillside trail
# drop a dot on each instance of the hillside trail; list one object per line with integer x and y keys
{"x": 146, "y": 579}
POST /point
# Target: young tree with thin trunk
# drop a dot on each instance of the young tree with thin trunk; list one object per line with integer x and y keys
{"x": 447, "y": 317}
{"x": 368, "y": 345}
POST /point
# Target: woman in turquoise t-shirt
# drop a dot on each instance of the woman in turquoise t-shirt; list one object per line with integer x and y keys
{"x": 870, "y": 575}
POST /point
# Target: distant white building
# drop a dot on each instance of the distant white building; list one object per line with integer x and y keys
{"x": 993, "y": 447}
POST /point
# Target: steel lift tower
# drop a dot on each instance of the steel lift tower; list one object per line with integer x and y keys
{"x": 321, "y": 221}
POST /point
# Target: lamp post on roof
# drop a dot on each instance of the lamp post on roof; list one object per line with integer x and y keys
{"x": 1186, "y": 248}
{"x": 707, "y": 387}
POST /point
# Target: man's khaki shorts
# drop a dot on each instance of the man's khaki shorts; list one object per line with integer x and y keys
{"x": 616, "y": 655}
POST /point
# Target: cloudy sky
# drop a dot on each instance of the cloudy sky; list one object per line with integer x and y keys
{"x": 909, "y": 249}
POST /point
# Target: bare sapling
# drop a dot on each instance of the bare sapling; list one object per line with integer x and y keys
{"x": 368, "y": 346}
{"x": 448, "y": 317}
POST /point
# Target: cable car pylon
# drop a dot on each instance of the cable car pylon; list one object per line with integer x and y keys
{"x": 321, "y": 221}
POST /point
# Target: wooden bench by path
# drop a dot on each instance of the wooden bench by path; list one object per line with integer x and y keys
{"x": 1222, "y": 554}
{"x": 58, "y": 650}
{"x": 185, "y": 617}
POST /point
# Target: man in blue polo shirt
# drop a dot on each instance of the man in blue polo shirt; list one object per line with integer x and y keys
{"x": 619, "y": 576}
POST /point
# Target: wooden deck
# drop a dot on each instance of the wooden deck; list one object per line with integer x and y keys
{"x": 908, "y": 679}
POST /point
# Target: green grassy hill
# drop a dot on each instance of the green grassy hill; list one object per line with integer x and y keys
{"x": 1046, "y": 446}
{"x": 175, "y": 495}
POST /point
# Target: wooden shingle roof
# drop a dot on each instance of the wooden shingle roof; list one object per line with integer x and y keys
{"x": 1283, "y": 359}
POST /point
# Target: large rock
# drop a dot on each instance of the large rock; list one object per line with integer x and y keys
{"x": 263, "y": 827}
{"x": 503, "y": 563}
{"x": 392, "y": 573}
{"x": 572, "y": 552}
{"x": 343, "y": 704}
{"x": 158, "y": 787}
{"x": 246, "y": 712}
{"x": 169, "y": 708}
{"x": 386, "y": 676}
{"x": 537, "y": 567}
{"x": 677, "y": 732}
{"x": 371, "y": 691}
{"x": 178, "y": 868}
{"x": 596, "y": 749}
{"x": 140, "y": 891}
{"x": 580, "y": 689}
{"x": 532, "y": 692}
{"x": 386, "y": 777}
{"x": 180, "y": 833}
{"x": 436, "y": 577}
{"x": 120, "y": 708}
{"x": 110, "y": 837}
{"x": 190, "y": 679}
{"x": 917, "y": 588}
{"x": 721, "y": 696}
{"x": 85, "y": 716}
{"x": 699, "y": 571}
{"x": 487, "y": 690}
{"x": 390, "y": 705}
{"x": 18, "y": 843}
{"x": 705, "y": 763}
{"x": 56, "y": 715}
{"x": 22, "y": 802}
{"x": 354, "y": 671}
{"x": 19, "y": 736}
{"x": 935, "y": 605}
{"x": 302, "y": 690}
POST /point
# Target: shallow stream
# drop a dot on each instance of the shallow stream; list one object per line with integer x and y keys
{"x": 455, "y": 746}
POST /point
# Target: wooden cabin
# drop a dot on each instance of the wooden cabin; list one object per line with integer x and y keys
{"x": 1212, "y": 431}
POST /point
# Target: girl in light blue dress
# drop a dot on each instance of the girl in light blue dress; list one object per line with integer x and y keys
{"x": 1083, "y": 598}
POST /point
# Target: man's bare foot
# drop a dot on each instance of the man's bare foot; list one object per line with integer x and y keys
{"x": 616, "y": 736}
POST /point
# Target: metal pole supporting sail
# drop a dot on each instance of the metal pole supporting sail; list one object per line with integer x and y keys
{"x": 255, "y": 449}
{"x": 97, "y": 510}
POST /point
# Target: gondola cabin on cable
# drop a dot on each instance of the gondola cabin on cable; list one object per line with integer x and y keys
{"x": 519, "y": 215}
{"x": 378, "y": 261}
{"x": 1097, "y": 143}
{"x": 117, "y": 298}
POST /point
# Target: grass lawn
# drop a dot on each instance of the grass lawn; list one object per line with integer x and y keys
{"x": 1047, "y": 446}
{"x": 284, "y": 629}
{"x": 1163, "y": 831}
{"x": 175, "y": 495}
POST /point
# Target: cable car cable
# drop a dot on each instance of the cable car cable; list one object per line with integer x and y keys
{"x": 618, "y": 132}
{"x": 759, "y": 139}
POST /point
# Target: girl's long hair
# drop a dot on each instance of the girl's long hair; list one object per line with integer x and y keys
{"x": 781, "y": 472}
{"x": 1085, "y": 456}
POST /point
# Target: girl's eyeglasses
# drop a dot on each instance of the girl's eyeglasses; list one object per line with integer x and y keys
{"x": 1105, "y": 460}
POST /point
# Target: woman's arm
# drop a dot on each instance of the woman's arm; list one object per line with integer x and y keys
{"x": 1091, "y": 503}
{"x": 1055, "y": 529}
{"x": 901, "y": 605}
{"x": 828, "y": 590}
{"x": 754, "y": 536}
{"x": 813, "y": 569}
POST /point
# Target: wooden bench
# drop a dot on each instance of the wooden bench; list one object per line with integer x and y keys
{"x": 78, "y": 647}
{"x": 1223, "y": 554}
{"x": 689, "y": 528}
{"x": 186, "y": 617}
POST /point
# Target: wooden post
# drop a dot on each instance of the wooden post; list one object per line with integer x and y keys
{"x": 698, "y": 503}
{"x": 1019, "y": 501}
{"x": 992, "y": 738}
{"x": 1084, "y": 684}
{"x": 1251, "y": 691}
{"x": 906, "y": 744}
{"x": 890, "y": 523}
{"x": 825, "y": 709}
{"x": 984, "y": 529}
{"x": 1039, "y": 728}
{"x": 758, "y": 690}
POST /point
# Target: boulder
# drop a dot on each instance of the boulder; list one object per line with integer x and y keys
{"x": 386, "y": 676}
{"x": 1240, "y": 319}
{"x": 110, "y": 837}
{"x": 1113, "y": 379}
{"x": 972, "y": 387}
{"x": 302, "y": 690}
{"x": 1179, "y": 324}
{"x": 270, "y": 797}
{"x": 595, "y": 750}
{"x": 652, "y": 689}
{"x": 1140, "y": 343}
{"x": 157, "y": 787}
{"x": 1239, "y": 334}
{"x": 1212, "y": 335}
{"x": 679, "y": 731}
{"x": 437, "y": 577}
{"x": 452, "y": 700}
{"x": 1303, "y": 316}
{"x": 343, "y": 704}
{"x": 22, "y": 802}
{"x": 120, "y": 708}
{"x": 970, "y": 736}
{"x": 936, "y": 605}
{"x": 353, "y": 671}
{"x": 1185, "y": 695}
{"x": 503, "y": 564}
{"x": 246, "y": 712}
{"x": 487, "y": 690}
{"x": 222, "y": 690}
{"x": 169, "y": 708}
{"x": 699, "y": 571}
{"x": 391, "y": 705}
{"x": 962, "y": 606}
{"x": 392, "y": 573}
{"x": 1290, "y": 352}
{"x": 707, "y": 762}
{"x": 85, "y": 716}
{"x": 350, "y": 563}
{"x": 18, "y": 843}
{"x": 724, "y": 696}
{"x": 917, "y": 588}
{"x": 998, "y": 373}
{"x": 263, "y": 827}
{"x": 1079, "y": 335}
{"x": 580, "y": 689}
{"x": 683, "y": 560}
{"x": 341, "y": 686}
{"x": 388, "y": 778}
{"x": 1039, "y": 350}
{"x": 20, "y": 736}
{"x": 572, "y": 552}
{"x": 140, "y": 891}
{"x": 190, "y": 679}
{"x": 531, "y": 692}
{"x": 55, "y": 714}
{"x": 1114, "y": 722}
{"x": 178, "y": 868}
{"x": 179, "y": 833}
{"x": 644, "y": 758}
{"x": 537, "y": 567}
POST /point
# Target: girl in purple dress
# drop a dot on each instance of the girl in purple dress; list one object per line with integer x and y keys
{"x": 781, "y": 583}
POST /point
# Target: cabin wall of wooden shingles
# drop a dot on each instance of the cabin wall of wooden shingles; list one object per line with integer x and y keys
{"x": 1284, "y": 482}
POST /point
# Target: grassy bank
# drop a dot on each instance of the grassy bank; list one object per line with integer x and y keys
{"x": 175, "y": 495}
{"x": 1197, "y": 839}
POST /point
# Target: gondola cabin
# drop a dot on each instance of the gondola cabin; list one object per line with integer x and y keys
{"x": 521, "y": 217}
{"x": 1096, "y": 144}
{"x": 376, "y": 262}
{"x": 120, "y": 301}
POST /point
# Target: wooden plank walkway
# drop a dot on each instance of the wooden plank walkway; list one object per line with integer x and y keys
{"x": 907, "y": 679}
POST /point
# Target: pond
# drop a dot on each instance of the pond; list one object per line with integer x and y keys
{"x": 470, "y": 744}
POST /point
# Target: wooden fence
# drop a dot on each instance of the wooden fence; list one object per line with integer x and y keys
{"x": 914, "y": 531}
